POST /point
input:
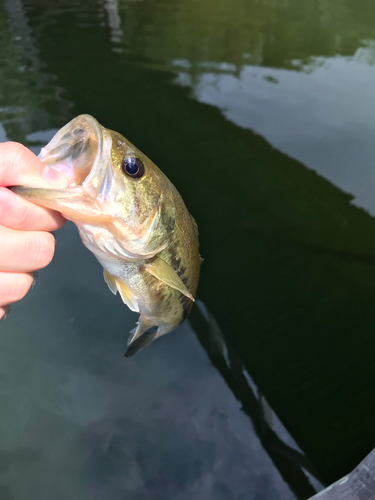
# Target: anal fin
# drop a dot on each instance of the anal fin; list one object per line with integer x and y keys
{"x": 143, "y": 325}
{"x": 162, "y": 330}
{"x": 165, "y": 273}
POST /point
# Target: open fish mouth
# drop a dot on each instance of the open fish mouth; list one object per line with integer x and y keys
{"x": 80, "y": 151}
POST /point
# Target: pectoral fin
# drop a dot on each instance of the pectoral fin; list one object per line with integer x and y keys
{"x": 165, "y": 273}
{"x": 110, "y": 282}
{"x": 127, "y": 295}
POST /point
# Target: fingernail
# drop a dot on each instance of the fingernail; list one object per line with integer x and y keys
{"x": 6, "y": 311}
{"x": 54, "y": 178}
{"x": 35, "y": 277}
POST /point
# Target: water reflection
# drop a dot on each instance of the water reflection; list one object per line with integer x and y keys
{"x": 321, "y": 56}
{"x": 160, "y": 424}
{"x": 268, "y": 33}
{"x": 29, "y": 100}
{"x": 291, "y": 463}
{"x": 288, "y": 271}
{"x": 322, "y": 116}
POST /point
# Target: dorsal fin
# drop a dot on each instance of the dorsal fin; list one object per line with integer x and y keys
{"x": 195, "y": 226}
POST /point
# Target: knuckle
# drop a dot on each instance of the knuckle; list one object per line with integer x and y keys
{"x": 9, "y": 148}
{"x": 24, "y": 216}
{"x": 12, "y": 153}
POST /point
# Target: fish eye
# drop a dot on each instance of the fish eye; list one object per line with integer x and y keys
{"x": 133, "y": 167}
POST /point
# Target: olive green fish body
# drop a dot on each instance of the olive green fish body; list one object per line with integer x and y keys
{"x": 130, "y": 216}
{"x": 155, "y": 300}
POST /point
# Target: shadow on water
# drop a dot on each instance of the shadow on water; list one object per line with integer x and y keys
{"x": 290, "y": 462}
{"x": 289, "y": 262}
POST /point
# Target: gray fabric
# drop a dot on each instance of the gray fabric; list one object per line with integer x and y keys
{"x": 358, "y": 485}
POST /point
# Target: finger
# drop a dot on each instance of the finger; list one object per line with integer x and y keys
{"x": 14, "y": 286}
{"x": 25, "y": 251}
{"x": 19, "y": 166}
{"x": 3, "y": 312}
{"x": 17, "y": 213}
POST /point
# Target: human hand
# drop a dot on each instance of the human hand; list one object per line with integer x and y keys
{"x": 25, "y": 242}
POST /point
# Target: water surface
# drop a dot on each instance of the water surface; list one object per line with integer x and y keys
{"x": 261, "y": 114}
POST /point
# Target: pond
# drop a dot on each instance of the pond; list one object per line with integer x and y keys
{"x": 261, "y": 112}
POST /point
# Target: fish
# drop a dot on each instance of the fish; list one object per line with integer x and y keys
{"x": 131, "y": 217}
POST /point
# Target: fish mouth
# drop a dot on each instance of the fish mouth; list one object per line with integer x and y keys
{"x": 81, "y": 150}
{"x": 78, "y": 151}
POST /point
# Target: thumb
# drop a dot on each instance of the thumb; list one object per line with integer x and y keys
{"x": 19, "y": 166}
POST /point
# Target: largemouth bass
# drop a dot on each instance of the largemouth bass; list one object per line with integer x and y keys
{"x": 131, "y": 217}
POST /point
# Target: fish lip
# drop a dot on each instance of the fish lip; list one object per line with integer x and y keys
{"x": 93, "y": 181}
{"x": 95, "y": 178}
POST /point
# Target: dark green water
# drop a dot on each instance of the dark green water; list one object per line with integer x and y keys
{"x": 262, "y": 113}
